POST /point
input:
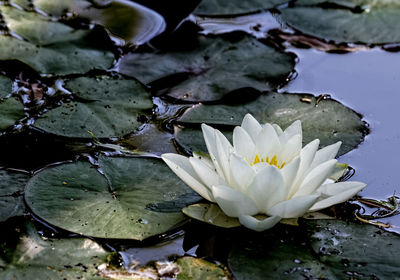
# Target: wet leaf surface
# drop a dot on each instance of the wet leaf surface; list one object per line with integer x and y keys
{"x": 37, "y": 258}
{"x": 223, "y": 7}
{"x": 50, "y": 47}
{"x": 121, "y": 204}
{"x": 194, "y": 268}
{"x": 213, "y": 69}
{"x": 329, "y": 121}
{"x": 350, "y": 21}
{"x": 336, "y": 250}
{"x": 12, "y": 186}
{"x": 106, "y": 105}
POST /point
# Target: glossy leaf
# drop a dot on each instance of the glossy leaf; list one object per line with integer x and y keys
{"x": 107, "y": 106}
{"x": 347, "y": 21}
{"x": 329, "y": 121}
{"x": 12, "y": 186}
{"x": 50, "y": 47}
{"x": 215, "y": 68}
{"x": 135, "y": 198}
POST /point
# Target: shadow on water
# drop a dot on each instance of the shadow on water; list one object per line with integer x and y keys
{"x": 368, "y": 82}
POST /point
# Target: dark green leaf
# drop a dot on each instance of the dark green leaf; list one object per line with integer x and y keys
{"x": 11, "y": 110}
{"x": 329, "y": 121}
{"x": 214, "y": 69}
{"x": 76, "y": 197}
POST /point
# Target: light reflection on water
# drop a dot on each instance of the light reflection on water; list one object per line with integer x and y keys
{"x": 369, "y": 83}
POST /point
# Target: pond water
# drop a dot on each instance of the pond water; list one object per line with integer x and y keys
{"x": 369, "y": 83}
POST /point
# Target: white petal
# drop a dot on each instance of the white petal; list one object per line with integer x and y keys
{"x": 209, "y": 138}
{"x": 205, "y": 158}
{"x": 207, "y": 175}
{"x": 289, "y": 172}
{"x": 242, "y": 172}
{"x": 326, "y": 153}
{"x": 316, "y": 177}
{"x": 267, "y": 189}
{"x": 232, "y": 202}
{"x": 337, "y": 193}
{"x": 258, "y": 225}
{"x": 307, "y": 155}
{"x": 182, "y": 167}
{"x": 293, "y": 208}
{"x": 243, "y": 143}
{"x": 278, "y": 129}
{"x": 224, "y": 150}
{"x": 293, "y": 129}
{"x": 267, "y": 142}
{"x": 291, "y": 148}
{"x": 251, "y": 125}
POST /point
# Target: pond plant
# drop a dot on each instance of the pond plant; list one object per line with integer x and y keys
{"x": 103, "y": 103}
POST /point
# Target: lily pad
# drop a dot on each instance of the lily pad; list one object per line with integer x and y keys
{"x": 194, "y": 268}
{"x": 124, "y": 19}
{"x": 351, "y": 21}
{"x": 215, "y": 68}
{"x": 5, "y": 86}
{"x": 122, "y": 203}
{"x": 51, "y": 47}
{"x": 329, "y": 120}
{"x": 12, "y": 186}
{"x": 337, "y": 250}
{"x": 11, "y": 110}
{"x": 228, "y": 7}
{"x": 107, "y": 105}
{"x": 36, "y": 258}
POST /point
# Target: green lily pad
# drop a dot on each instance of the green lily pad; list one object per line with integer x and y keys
{"x": 334, "y": 250}
{"x": 12, "y": 186}
{"x": 215, "y": 68}
{"x": 107, "y": 106}
{"x": 126, "y": 20}
{"x": 228, "y": 7}
{"x": 351, "y": 21}
{"x": 329, "y": 121}
{"x": 5, "y": 86}
{"x": 194, "y": 268}
{"x": 122, "y": 203}
{"x": 51, "y": 47}
{"x": 37, "y": 258}
{"x": 11, "y": 110}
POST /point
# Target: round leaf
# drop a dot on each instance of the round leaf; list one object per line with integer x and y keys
{"x": 50, "y": 47}
{"x": 328, "y": 120}
{"x": 214, "y": 69}
{"x": 12, "y": 186}
{"x": 107, "y": 106}
{"x": 351, "y": 21}
{"x": 135, "y": 198}
{"x": 11, "y": 110}
{"x": 223, "y": 7}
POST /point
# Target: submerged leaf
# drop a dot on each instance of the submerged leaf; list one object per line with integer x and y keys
{"x": 215, "y": 68}
{"x": 78, "y": 198}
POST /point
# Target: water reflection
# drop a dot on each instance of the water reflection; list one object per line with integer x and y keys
{"x": 368, "y": 82}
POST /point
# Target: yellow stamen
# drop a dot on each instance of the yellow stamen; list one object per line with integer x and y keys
{"x": 273, "y": 161}
{"x": 256, "y": 159}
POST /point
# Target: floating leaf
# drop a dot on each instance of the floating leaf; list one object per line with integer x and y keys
{"x": 12, "y": 186}
{"x": 11, "y": 110}
{"x": 223, "y": 7}
{"x": 334, "y": 250}
{"x": 214, "y": 69}
{"x": 36, "y": 258}
{"x": 126, "y": 20}
{"x": 329, "y": 121}
{"x": 50, "y": 47}
{"x": 107, "y": 106}
{"x": 194, "y": 268}
{"x": 122, "y": 203}
{"x": 351, "y": 21}
{"x": 5, "y": 86}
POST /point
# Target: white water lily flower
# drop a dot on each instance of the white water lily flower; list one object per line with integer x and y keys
{"x": 266, "y": 171}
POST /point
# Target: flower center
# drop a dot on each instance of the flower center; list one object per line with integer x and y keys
{"x": 272, "y": 161}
